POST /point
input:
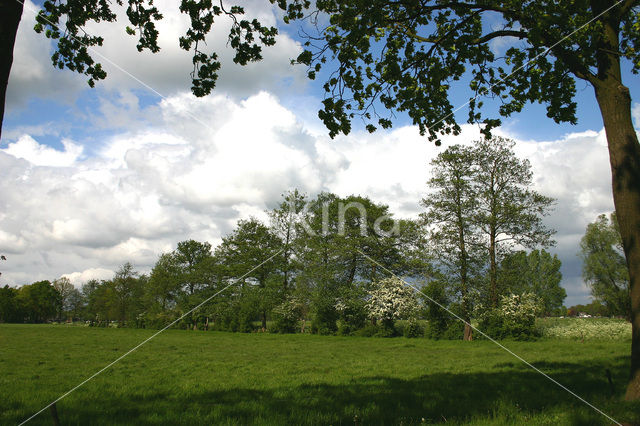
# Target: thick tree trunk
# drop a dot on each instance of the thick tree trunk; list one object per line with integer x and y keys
{"x": 10, "y": 14}
{"x": 468, "y": 332}
{"x": 624, "y": 155}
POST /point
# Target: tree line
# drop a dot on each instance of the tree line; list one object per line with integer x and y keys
{"x": 468, "y": 250}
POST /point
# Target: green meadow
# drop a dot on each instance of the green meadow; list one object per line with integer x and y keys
{"x": 196, "y": 377}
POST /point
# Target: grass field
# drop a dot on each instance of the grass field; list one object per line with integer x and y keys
{"x": 190, "y": 377}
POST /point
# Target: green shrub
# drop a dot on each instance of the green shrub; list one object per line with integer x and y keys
{"x": 387, "y": 329}
{"x": 368, "y": 330}
{"x": 324, "y": 320}
{"x": 159, "y": 319}
{"x": 493, "y": 325}
{"x": 351, "y": 310}
{"x": 244, "y": 320}
{"x": 439, "y": 319}
{"x": 455, "y": 331}
{"x": 286, "y": 316}
{"x": 346, "y": 329}
{"x": 236, "y": 317}
{"x": 514, "y": 319}
{"x": 413, "y": 328}
{"x": 283, "y": 325}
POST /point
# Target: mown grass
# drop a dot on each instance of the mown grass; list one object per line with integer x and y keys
{"x": 191, "y": 377}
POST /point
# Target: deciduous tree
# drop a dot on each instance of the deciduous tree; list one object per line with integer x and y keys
{"x": 536, "y": 272}
{"x": 452, "y": 235}
{"x": 508, "y": 212}
{"x": 164, "y": 286}
{"x": 482, "y": 208}
{"x": 604, "y": 268}
{"x": 127, "y": 290}
{"x": 40, "y": 301}
{"x": 65, "y": 288}
{"x": 286, "y": 223}
{"x": 190, "y": 258}
{"x": 10, "y": 310}
{"x": 250, "y": 244}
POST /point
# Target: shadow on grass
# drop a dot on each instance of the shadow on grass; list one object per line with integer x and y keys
{"x": 512, "y": 393}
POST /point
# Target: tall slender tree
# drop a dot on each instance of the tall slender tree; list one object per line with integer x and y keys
{"x": 285, "y": 222}
{"x": 127, "y": 291}
{"x": 452, "y": 236}
{"x": 65, "y": 288}
{"x": 507, "y": 212}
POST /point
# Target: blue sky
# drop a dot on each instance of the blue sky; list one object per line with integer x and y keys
{"x": 93, "y": 178}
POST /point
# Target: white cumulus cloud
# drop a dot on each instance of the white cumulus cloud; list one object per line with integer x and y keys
{"x": 201, "y": 164}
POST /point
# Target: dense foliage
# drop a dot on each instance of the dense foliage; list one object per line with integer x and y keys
{"x": 515, "y": 318}
{"x": 319, "y": 272}
{"x": 35, "y": 303}
{"x": 320, "y": 279}
{"x": 536, "y": 272}
{"x": 604, "y": 266}
{"x": 480, "y": 211}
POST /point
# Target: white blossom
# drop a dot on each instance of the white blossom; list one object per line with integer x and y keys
{"x": 587, "y": 329}
{"x": 520, "y": 308}
{"x": 391, "y": 299}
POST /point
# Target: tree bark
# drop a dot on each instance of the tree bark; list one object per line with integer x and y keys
{"x": 468, "y": 332}
{"x": 10, "y": 14}
{"x": 624, "y": 156}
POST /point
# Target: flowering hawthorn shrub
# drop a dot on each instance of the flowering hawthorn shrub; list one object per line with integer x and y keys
{"x": 521, "y": 309}
{"x": 514, "y": 318}
{"x": 391, "y": 300}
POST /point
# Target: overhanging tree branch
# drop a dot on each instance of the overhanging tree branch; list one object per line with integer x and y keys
{"x": 502, "y": 33}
